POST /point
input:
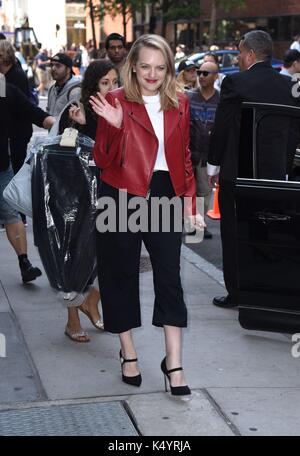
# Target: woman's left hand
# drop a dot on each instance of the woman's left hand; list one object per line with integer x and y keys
{"x": 196, "y": 221}
{"x": 76, "y": 114}
{"x": 194, "y": 228}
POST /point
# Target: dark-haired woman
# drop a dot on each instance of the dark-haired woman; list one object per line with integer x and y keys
{"x": 100, "y": 76}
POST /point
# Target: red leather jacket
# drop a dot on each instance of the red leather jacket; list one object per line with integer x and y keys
{"x": 127, "y": 155}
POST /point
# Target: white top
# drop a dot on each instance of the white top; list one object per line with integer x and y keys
{"x": 286, "y": 72}
{"x": 156, "y": 115}
{"x": 295, "y": 45}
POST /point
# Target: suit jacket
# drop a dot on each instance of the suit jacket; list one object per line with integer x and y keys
{"x": 15, "y": 102}
{"x": 22, "y": 126}
{"x": 261, "y": 83}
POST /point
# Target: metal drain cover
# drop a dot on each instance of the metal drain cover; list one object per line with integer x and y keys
{"x": 100, "y": 419}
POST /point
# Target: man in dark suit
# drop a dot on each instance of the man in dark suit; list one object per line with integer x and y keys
{"x": 257, "y": 82}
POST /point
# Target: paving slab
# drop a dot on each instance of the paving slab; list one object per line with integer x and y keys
{"x": 261, "y": 411}
{"x": 17, "y": 379}
{"x": 4, "y": 304}
{"x": 230, "y": 370}
{"x": 225, "y": 355}
{"x": 161, "y": 415}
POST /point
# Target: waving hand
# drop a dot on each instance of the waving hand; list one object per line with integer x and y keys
{"x": 112, "y": 115}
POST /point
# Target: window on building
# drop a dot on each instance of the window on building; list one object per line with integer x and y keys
{"x": 273, "y": 27}
{"x": 295, "y": 25}
{"x": 284, "y": 28}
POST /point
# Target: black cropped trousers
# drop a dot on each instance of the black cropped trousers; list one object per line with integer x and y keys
{"x": 118, "y": 256}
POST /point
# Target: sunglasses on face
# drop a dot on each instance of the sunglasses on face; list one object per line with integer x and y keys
{"x": 205, "y": 73}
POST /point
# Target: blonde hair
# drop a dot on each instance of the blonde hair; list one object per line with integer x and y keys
{"x": 182, "y": 83}
{"x": 167, "y": 90}
{"x": 7, "y": 52}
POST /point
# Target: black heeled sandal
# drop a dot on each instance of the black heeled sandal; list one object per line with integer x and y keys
{"x": 134, "y": 381}
{"x": 175, "y": 390}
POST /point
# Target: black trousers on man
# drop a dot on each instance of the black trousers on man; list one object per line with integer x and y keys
{"x": 118, "y": 255}
{"x": 229, "y": 237}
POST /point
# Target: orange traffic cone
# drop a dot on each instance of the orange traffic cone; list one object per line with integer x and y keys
{"x": 214, "y": 213}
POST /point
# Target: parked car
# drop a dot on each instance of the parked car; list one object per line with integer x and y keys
{"x": 227, "y": 61}
{"x": 268, "y": 226}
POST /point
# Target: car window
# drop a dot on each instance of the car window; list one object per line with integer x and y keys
{"x": 229, "y": 59}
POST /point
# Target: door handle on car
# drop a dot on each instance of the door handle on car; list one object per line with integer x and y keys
{"x": 266, "y": 217}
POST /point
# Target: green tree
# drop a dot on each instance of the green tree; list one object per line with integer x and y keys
{"x": 173, "y": 10}
{"x": 226, "y": 5}
{"x": 125, "y": 8}
{"x": 183, "y": 9}
{"x": 97, "y": 11}
{"x": 92, "y": 13}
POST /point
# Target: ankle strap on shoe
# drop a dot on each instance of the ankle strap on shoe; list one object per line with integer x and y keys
{"x": 129, "y": 360}
{"x": 124, "y": 360}
{"x": 175, "y": 370}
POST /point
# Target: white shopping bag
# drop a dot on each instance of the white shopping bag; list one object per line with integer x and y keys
{"x": 18, "y": 192}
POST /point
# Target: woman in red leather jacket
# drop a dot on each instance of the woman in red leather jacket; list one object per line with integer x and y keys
{"x": 142, "y": 149}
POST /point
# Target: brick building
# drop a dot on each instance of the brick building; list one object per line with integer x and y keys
{"x": 281, "y": 18}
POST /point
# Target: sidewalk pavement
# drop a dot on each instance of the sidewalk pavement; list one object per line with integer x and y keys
{"x": 243, "y": 382}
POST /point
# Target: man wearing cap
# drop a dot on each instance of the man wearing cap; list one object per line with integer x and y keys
{"x": 66, "y": 87}
{"x": 291, "y": 63}
{"x": 187, "y": 77}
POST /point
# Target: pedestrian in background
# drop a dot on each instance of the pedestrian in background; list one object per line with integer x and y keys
{"x": 296, "y": 43}
{"x": 85, "y": 59}
{"x": 100, "y": 76}
{"x": 203, "y": 104}
{"x": 180, "y": 54}
{"x": 212, "y": 57}
{"x": 291, "y": 63}
{"x": 21, "y": 127}
{"x": 13, "y": 104}
{"x": 42, "y": 62}
{"x": 142, "y": 145}
{"x": 116, "y": 52}
{"x": 67, "y": 86}
{"x": 187, "y": 77}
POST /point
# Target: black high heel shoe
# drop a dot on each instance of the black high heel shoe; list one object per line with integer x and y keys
{"x": 175, "y": 390}
{"x": 134, "y": 381}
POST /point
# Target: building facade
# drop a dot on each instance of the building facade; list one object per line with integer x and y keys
{"x": 107, "y": 25}
{"x": 59, "y": 23}
{"x": 48, "y": 20}
{"x": 280, "y": 18}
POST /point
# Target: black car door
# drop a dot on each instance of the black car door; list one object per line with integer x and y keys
{"x": 267, "y": 204}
